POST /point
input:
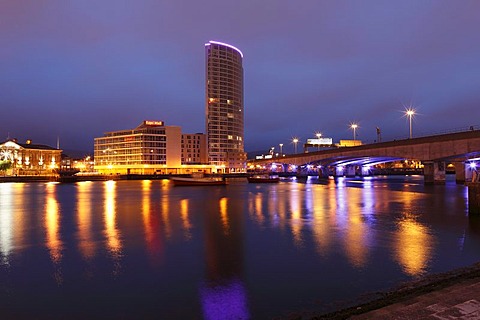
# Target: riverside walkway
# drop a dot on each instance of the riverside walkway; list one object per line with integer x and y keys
{"x": 457, "y": 301}
{"x": 451, "y": 295}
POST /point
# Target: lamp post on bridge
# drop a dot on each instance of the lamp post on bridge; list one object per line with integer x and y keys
{"x": 410, "y": 113}
{"x": 354, "y": 127}
{"x": 295, "y": 141}
{"x": 281, "y": 146}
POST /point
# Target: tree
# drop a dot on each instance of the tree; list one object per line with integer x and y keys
{"x": 5, "y": 165}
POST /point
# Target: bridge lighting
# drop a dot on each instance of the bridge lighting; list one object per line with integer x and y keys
{"x": 281, "y": 146}
{"x": 354, "y": 127}
{"x": 295, "y": 141}
{"x": 410, "y": 113}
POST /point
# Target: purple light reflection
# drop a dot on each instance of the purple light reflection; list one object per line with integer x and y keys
{"x": 226, "y": 301}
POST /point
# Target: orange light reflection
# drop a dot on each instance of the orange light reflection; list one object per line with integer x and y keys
{"x": 187, "y": 226}
{"x": 52, "y": 228}
{"x": 86, "y": 241}
{"x": 224, "y": 215}
{"x": 112, "y": 234}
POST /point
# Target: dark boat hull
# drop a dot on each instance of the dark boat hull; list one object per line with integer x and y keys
{"x": 263, "y": 180}
{"x": 197, "y": 182}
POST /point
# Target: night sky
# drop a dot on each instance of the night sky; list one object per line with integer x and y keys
{"x": 75, "y": 69}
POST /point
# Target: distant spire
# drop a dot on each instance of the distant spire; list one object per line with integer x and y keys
{"x": 58, "y": 142}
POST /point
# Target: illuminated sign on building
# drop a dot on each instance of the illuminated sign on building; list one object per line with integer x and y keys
{"x": 153, "y": 123}
{"x": 327, "y": 141}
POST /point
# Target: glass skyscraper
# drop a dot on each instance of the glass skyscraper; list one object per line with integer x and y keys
{"x": 224, "y": 107}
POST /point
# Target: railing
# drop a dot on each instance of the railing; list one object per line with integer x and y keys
{"x": 429, "y": 134}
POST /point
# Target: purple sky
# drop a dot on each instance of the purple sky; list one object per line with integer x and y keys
{"x": 78, "y": 68}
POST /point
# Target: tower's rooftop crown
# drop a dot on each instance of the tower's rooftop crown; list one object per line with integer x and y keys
{"x": 224, "y": 44}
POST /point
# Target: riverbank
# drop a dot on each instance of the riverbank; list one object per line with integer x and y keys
{"x": 404, "y": 301}
{"x": 101, "y": 177}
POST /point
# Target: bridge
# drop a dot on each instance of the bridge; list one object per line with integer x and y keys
{"x": 461, "y": 148}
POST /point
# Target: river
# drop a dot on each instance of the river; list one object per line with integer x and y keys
{"x": 148, "y": 250}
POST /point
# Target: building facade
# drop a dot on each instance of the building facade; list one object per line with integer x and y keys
{"x": 194, "y": 148}
{"x": 224, "y": 107}
{"x": 26, "y": 159}
{"x": 149, "y": 149}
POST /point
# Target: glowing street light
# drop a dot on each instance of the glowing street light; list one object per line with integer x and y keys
{"x": 281, "y": 146}
{"x": 354, "y": 127}
{"x": 295, "y": 141}
{"x": 410, "y": 113}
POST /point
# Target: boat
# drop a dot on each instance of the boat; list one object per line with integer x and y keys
{"x": 198, "y": 180}
{"x": 66, "y": 175}
{"x": 263, "y": 179}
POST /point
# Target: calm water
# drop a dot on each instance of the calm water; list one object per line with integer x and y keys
{"x": 146, "y": 249}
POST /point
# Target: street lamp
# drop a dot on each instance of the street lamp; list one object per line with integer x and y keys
{"x": 354, "y": 126}
{"x": 281, "y": 146}
{"x": 410, "y": 113}
{"x": 295, "y": 141}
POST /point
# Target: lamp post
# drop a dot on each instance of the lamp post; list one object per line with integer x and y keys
{"x": 410, "y": 113}
{"x": 281, "y": 146}
{"x": 354, "y": 127}
{"x": 295, "y": 141}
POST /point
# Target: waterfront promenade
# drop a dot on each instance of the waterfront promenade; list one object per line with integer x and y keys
{"x": 457, "y": 301}
{"x": 451, "y": 295}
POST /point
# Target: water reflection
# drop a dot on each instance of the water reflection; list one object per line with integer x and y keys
{"x": 187, "y": 225}
{"x": 85, "y": 238}
{"x": 6, "y": 221}
{"x": 239, "y": 252}
{"x": 357, "y": 232}
{"x": 296, "y": 216}
{"x": 316, "y": 210}
{"x": 12, "y": 220}
{"x": 151, "y": 224}
{"x": 412, "y": 241}
{"x": 412, "y": 246}
{"x": 111, "y": 232}
{"x": 52, "y": 228}
{"x": 165, "y": 205}
{"x": 223, "y": 295}
{"x": 224, "y": 215}
{"x": 321, "y": 221}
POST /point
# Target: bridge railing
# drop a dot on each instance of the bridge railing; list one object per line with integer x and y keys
{"x": 429, "y": 134}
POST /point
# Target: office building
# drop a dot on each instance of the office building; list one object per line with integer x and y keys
{"x": 149, "y": 149}
{"x": 224, "y": 107}
{"x": 194, "y": 148}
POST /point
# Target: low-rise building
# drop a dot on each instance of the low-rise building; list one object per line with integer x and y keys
{"x": 29, "y": 158}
